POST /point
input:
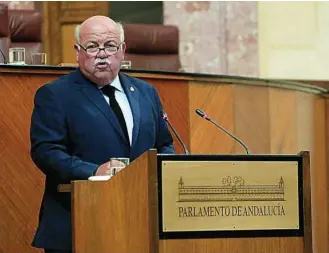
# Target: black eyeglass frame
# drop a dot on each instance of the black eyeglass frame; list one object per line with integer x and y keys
{"x": 102, "y": 48}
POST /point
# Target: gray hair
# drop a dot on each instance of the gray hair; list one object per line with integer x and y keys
{"x": 77, "y": 33}
{"x": 122, "y": 32}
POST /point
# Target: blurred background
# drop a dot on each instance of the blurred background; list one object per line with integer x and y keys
{"x": 286, "y": 40}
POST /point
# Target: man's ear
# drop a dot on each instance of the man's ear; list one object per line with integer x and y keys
{"x": 77, "y": 49}
{"x": 123, "y": 48}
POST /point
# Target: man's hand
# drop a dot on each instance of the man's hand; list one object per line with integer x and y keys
{"x": 110, "y": 168}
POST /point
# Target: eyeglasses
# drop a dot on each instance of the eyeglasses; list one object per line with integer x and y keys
{"x": 94, "y": 50}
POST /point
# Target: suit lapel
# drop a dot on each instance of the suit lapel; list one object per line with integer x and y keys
{"x": 92, "y": 92}
{"x": 132, "y": 94}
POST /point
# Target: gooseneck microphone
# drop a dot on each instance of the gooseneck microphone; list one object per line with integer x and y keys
{"x": 165, "y": 117}
{"x": 4, "y": 57}
{"x": 203, "y": 115}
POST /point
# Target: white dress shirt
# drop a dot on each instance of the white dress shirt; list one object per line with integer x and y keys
{"x": 123, "y": 102}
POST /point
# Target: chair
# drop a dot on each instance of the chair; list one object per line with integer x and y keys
{"x": 25, "y": 28}
{"x": 154, "y": 47}
{"x": 4, "y": 32}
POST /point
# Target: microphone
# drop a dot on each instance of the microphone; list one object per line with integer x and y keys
{"x": 4, "y": 57}
{"x": 165, "y": 117}
{"x": 203, "y": 115}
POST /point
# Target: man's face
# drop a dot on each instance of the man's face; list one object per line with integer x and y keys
{"x": 100, "y": 66}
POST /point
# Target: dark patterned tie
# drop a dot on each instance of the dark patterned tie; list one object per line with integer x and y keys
{"x": 109, "y": 90}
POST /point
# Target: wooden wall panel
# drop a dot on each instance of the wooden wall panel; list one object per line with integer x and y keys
{"x": 319, "y": 178}
{"x": 293, "y": 116}
{"x": 174, "y": 98}
{"x": 21, "y": 183}
{"x": 251, "y": 116}
{"x": 305, "y": 114}
{"x": 217, "y": 101}
{"x": 326, "y": 139}
{"x": 283, "y": 121}
{"x": 68, "y": 39}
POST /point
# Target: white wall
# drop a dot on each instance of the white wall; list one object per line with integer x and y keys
{"x": 294, "y": 40}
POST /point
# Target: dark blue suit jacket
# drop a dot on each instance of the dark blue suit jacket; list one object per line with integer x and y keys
{"x": 74, "y": 130}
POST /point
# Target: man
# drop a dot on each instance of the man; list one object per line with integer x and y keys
{"x": 87, "y": 117}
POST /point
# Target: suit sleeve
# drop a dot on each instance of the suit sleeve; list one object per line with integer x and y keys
{"x": 50, "y": 140}
{"x": 164, "y": 140}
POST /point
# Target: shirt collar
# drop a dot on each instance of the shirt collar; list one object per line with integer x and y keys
{"x": 116, "y": 84}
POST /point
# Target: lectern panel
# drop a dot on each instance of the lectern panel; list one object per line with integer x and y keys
{"x": 215, "y": 196}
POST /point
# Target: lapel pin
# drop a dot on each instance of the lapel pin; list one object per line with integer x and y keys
{"x": 132, "y": 88}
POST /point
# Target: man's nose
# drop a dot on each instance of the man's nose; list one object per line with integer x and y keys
{"x": 101, "y": 53}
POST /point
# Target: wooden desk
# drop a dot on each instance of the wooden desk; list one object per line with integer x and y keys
{"x": 270, "y": 116}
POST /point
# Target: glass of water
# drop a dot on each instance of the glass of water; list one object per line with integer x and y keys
{"x": 126, "y": 64}
{"x": 39, "y": 59}
{"x": 118, "y": 163}
{"x": 17, "y": 55}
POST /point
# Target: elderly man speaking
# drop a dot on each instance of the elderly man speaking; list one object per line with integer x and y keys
{"x": 82, "y": 120}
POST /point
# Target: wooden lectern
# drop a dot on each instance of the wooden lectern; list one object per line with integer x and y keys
{"x": 196, "y": 204}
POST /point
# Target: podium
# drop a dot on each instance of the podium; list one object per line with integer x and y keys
{"x": 195, "y": 204}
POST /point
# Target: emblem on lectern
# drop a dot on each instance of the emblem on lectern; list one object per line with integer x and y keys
{"x": 232, "y": 189}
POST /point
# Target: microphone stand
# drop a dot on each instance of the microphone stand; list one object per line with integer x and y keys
{"x": 4, "y": 57}
{"x": 165, "y": 117}
{"x": 203, "y": 115}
